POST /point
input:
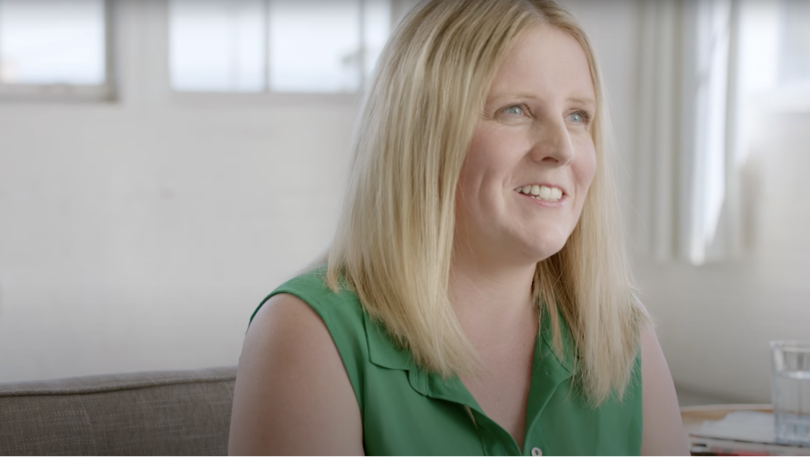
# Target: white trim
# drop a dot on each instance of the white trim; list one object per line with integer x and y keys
{"x": 54, "y": 93}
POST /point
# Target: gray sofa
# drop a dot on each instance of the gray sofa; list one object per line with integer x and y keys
{"x": 159, "y": 413}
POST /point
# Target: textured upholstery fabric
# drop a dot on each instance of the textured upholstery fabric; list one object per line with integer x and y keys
{"x": 160, "y": 413}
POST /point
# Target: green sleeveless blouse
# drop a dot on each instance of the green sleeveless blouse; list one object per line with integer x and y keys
{"x": 407, "y": 411}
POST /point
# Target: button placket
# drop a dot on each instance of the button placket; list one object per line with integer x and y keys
{"x": 536, "y": 451}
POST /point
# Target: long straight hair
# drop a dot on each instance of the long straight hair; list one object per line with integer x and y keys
{"x": 393, "y": 245}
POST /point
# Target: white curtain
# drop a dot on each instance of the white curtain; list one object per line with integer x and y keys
{"x": 689, "y": 148}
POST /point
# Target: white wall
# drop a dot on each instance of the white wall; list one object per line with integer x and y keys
{"x": 715, "y": 321}
{"x": 141, "y": 234}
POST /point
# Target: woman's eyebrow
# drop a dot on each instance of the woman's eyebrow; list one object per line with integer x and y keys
{"x": 498, "y": 97}
{"x": 584, "y": 100}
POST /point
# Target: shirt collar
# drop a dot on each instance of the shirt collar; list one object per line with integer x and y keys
{"x": 566, "y": 359}
{"x": 549, "y": 367}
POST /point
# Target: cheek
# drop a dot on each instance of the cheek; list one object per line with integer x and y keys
{"x": 468, "y": 180}
{"x": 479, "y": 154}
{"x": 586, "y": 168}
{"x": 478, "y": 163}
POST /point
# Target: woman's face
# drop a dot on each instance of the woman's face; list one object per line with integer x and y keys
{"x": 532, "y": 158}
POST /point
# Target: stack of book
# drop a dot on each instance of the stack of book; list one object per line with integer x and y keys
{"x": 742, "y": 433}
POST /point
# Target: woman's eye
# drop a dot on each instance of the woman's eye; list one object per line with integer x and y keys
{"x": 515, "y": 110}
{"x": 579, "y": 117}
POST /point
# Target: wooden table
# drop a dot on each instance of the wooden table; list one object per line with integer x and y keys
{"x": 693, "y": 416}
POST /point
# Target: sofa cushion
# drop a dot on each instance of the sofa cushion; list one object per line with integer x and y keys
{"x": 158, "y": 413}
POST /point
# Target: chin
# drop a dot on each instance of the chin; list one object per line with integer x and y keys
{"x": 540, "y": 251}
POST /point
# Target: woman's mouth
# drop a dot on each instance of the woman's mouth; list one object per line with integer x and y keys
{"x": 549, "y": 194}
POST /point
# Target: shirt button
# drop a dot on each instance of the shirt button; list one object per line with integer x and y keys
{"x": 536, "y": 451}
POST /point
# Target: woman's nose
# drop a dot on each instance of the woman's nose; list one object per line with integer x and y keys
{"x": 552, "y": 143}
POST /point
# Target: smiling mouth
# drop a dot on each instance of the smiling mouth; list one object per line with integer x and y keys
{"x": 549, "y": 194}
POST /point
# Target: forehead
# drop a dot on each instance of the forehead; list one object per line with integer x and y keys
{"x": 546, "y": 60}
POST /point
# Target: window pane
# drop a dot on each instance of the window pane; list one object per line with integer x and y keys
{"x": 315, "y": 45}
{"x": 217, "y": 45}
{"x": 52, "y": 42}
{"x": 795, "y": 55}
{"x": 377, "y": 27}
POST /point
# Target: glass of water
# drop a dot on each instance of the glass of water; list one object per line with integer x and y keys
{"x": 790, "y": 391}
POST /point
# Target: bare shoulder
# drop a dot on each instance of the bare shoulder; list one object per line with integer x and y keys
{"x": 662, "y": 430}
{"x": 292, "y": 393}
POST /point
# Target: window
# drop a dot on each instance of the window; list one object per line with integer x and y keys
{"x": 54, "y": 48}
{"x": 775, "y": 45}
{"x": 794, "y": 61}
{"x": 293, "y": 46}
{"x": 711, "y": 71}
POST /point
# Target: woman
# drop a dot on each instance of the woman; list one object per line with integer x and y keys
{"x": 476, "y": 298}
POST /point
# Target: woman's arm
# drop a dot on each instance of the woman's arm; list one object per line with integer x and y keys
{"x": 292, "y": 393}
{"x": 663, "y": 432}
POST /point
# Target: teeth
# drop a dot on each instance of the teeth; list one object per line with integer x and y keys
{"x": 542, "y": 192}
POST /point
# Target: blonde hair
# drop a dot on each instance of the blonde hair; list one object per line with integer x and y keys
{"x": 394, "y": 240}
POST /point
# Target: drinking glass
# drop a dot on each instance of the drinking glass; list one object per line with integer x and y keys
{"x": 790, "y": 391}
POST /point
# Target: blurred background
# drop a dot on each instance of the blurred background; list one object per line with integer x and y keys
{"x": 165, "y": 164}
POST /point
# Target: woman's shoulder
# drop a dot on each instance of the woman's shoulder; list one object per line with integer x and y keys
{"x": 307, "y": 300}
{"x": 289, "y": 363}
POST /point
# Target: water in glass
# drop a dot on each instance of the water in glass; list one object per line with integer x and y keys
{"x": 791, "y": 391}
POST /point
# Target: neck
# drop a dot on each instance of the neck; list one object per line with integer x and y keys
{"x": 486, "y": 295}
